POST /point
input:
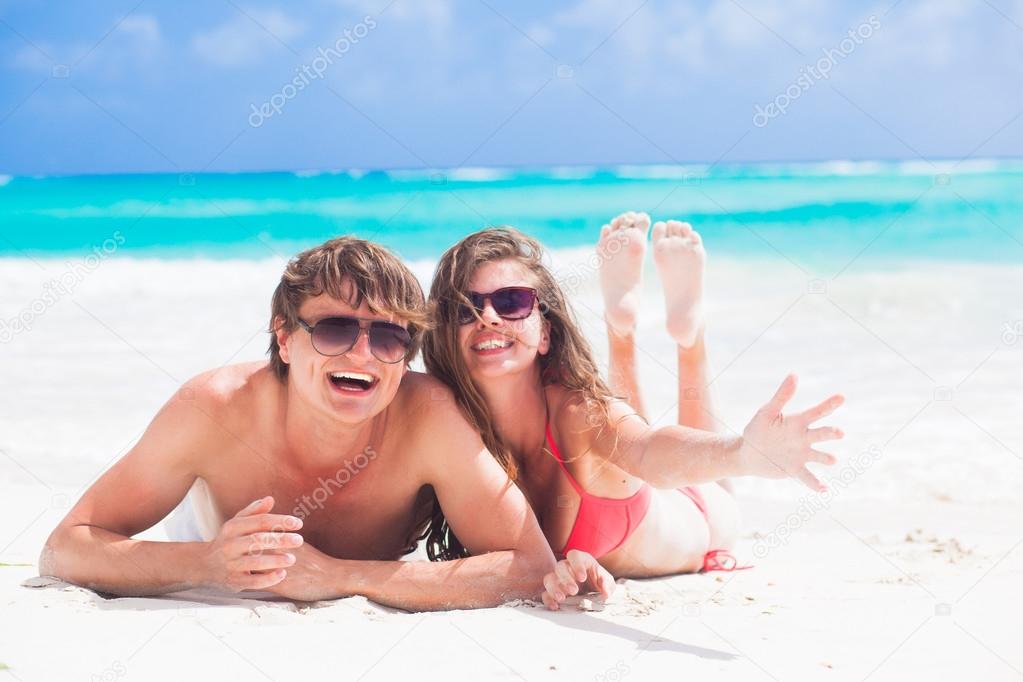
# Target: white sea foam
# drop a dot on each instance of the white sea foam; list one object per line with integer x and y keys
{"x": 479, "y": 174}
{"x": 218, "y": 208}
{"x": 659, "y": 172}
{"x": 851, "y": 168}
{"x": 957, "y": 167}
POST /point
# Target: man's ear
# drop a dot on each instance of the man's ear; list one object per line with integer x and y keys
{"x": 283, "y": 338}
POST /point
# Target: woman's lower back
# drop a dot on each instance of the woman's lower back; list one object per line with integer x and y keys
{"x": 675, "y": 536}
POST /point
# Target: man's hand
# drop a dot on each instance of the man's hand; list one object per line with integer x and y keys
{"x": 576, "y": 570}
{"x": 777, "y": 446}
{"x": 310, "y": 578}
{"x": 251, "y": 552}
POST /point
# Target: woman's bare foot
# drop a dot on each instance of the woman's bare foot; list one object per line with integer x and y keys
{"x": 621, "y": 249}
{"x": 680, "y": 258}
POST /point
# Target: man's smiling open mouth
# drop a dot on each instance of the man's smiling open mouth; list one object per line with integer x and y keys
{"x": 353, "y": 382}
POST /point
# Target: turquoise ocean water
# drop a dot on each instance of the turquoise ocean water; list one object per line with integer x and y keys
{"x": 812, "y": 213}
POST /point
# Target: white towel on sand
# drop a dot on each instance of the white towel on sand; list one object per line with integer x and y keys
{"x": 195, "y": 519}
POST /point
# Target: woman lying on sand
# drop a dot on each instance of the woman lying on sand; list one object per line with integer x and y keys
{"x": 605, "y": 485}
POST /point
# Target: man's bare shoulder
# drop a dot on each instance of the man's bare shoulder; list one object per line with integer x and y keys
{"x": 230, "y": 391}
{"x": 429, "y": 409}
{"x": 424, "y": 394}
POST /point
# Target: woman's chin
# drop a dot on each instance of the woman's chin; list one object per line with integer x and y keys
{"x": 491, "y": 368}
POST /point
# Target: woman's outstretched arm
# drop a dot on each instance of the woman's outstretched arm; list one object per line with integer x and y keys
{"x": 773, "y": 445}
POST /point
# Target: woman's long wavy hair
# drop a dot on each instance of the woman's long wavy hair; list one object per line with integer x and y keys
{"x": 569, "y": 361}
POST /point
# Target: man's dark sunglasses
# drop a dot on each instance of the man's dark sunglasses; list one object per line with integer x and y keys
{"x": 333, "y": 336}
{"x": 510, "y": 303}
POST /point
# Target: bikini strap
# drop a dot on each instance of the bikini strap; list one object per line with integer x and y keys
{"x": 557, "y": 455}
{"x": 721, "y": 560}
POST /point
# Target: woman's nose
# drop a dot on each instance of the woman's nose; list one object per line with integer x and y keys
{"x": 489, "y": 315}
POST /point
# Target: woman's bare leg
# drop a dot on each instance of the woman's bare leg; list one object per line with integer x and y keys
{"x": 621, "y": 250}
{"x": 659, "y": 547}
{"x": 695, "y": 402}
{"x": 681, "y": 260}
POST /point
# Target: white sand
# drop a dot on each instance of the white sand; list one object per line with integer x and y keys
{"x": 911, "y": 569}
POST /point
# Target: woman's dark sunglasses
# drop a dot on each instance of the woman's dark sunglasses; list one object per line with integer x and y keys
{"x": 333, "y": 336}
{"x": 510, "y": 303}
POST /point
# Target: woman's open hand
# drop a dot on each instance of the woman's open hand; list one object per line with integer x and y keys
{"x": 775, "y": 445}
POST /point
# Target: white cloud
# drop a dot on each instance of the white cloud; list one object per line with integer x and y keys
{"x": 930, "y": 34}
{"x": 143, "y": 28}
{"x": 132, "y": 44}
{"x": 247, "y": 38}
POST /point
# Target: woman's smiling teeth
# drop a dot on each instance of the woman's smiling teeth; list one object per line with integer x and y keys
{"x": 492, "y": 344}
{"x": 352, "y": 381}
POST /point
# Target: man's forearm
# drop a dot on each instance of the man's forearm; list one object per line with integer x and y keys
{"x": 476, "y": 582}
{"x": 676, "y": 456}
{"x": 108, "y": 562}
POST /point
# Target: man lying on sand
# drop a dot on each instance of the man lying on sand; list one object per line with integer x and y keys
{"x": 335, "y": 416}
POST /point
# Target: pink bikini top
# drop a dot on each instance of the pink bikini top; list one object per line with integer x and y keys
{"x": 603, "y": 523}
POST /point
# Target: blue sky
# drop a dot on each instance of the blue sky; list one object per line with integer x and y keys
{"x": 133, "y": 86}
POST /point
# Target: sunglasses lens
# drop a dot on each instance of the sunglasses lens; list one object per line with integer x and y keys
{"x": 389, "y": 342}
{"x": 335, "y": 335}
{"x": 466, "y": 314}
{"x": 513, "y": 304}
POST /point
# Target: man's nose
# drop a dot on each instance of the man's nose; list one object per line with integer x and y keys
{"x": 361, "y": 349}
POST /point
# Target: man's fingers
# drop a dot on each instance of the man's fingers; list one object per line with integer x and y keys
{"x": 257, "y": 581}
{"x": 261, "y": 542}
{"x": 810, "y": 481}
{"x": 818, "y": 412}
{"x": 783, "y": 395}
{"x": 261, "y": 562}
{"x": 550, "y": 602}
{"x": 824, "y": 433}
{"x": 247, "y": 525}
{"x": 260, "y": 506}
{"x": 822, "y": 457}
